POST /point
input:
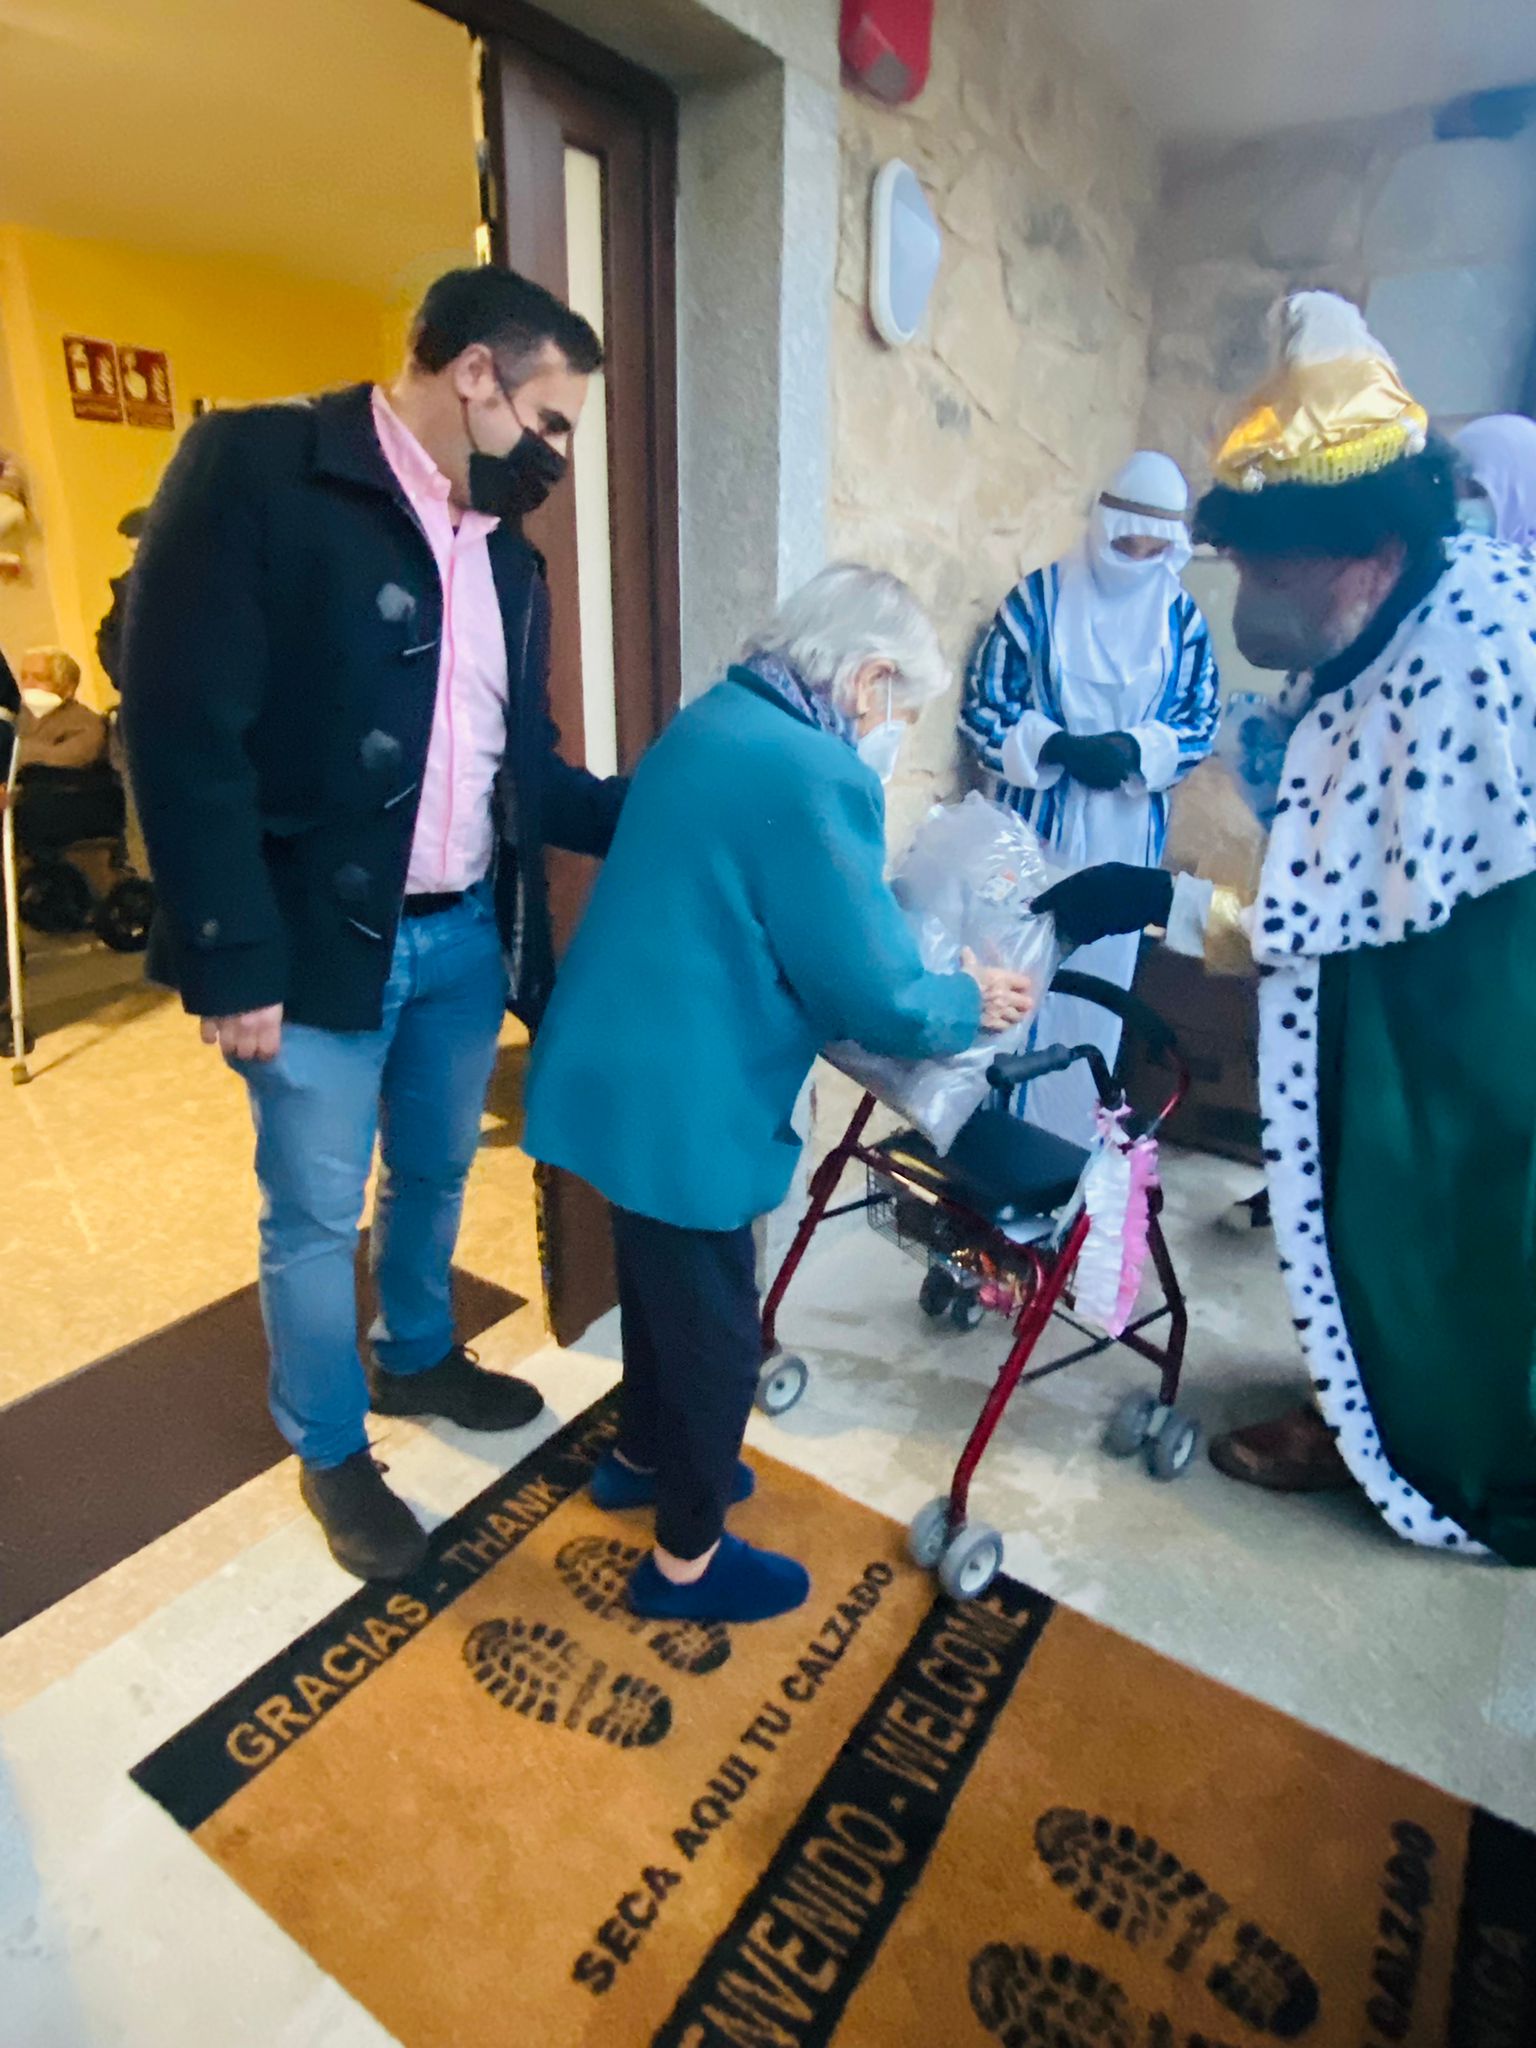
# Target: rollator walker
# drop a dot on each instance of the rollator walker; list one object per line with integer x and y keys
{"x": 999, "y": 1223}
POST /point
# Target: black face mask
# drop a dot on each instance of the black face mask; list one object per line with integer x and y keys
{"x": 512, "y": 485}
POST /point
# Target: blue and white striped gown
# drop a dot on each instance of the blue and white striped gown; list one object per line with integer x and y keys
{"x": 1016, "y": 697}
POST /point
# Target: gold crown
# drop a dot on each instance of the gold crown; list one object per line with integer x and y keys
{"x": 1328, "y": 414}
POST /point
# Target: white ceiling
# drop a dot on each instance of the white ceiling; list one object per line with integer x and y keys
{"x": 333, "y": 137}
{"x": 1212, "y": 69}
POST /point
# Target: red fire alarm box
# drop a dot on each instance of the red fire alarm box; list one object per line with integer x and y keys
{"x": 886, "y": 46}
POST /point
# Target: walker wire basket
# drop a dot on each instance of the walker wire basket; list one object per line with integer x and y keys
{"x": 925, "y": 1230}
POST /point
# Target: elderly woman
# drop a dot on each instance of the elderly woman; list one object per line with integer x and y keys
{"x": 741, "y": 922}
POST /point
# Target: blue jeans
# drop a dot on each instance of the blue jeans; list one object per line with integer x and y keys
{"x": 417, "y": 1084}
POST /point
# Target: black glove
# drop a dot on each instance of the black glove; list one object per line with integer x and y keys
{"x": 1100, "y": 902}
{"x": 1098, "y": 761}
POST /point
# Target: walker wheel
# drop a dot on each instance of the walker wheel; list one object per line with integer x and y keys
{"x": 972, "y": 1559}
{"x": 123, "y": 918}
{"x": 936, "y": 1293}
{"x": 54, "y": 898}
{"x": 966, "y": 1311}
{"x": 1130, "y": 1426}
{"x": 1172, "y": 1451}
{"x": 780, "y": 1384}
{"x": 928, "y": 1533}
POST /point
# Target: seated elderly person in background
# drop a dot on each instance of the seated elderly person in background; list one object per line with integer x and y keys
{"x": 741, "y": 923}
{"x": 69, "y": 790}
{"x": 56, "y": 731}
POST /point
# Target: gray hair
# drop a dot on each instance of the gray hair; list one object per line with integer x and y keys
{"x": 848, "y": 615}
{"x": 62, "y": 665}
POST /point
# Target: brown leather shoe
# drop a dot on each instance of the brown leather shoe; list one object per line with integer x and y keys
{"x": 1292, "y": 1454}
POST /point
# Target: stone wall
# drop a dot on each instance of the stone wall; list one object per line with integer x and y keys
{"x": 972, "y": 453}
{"x": 1434, "y": 239}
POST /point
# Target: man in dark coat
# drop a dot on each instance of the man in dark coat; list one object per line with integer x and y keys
{"x": 109, "y": 634}
{"x": 335, "y": 705}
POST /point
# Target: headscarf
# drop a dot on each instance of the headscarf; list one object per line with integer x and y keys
{"x": 1500, "y": 452}
{"x": 788, "y": 683}
{"x": 1111, "y": 623}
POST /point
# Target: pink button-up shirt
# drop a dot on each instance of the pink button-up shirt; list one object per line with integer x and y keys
{"x": 454, "y": 831}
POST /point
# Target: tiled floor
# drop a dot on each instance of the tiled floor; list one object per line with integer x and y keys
{"x": 127, "y": 1199}
{"x": 114, "y": 1929}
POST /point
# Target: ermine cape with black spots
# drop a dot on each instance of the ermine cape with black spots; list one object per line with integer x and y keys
{"x": 1407, "y": 794}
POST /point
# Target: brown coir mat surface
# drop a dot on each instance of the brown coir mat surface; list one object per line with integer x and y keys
{"x": 102, "y": 1462}
{"x": 504, "y": 1815}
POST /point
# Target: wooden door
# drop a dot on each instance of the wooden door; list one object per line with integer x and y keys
{"x": 578, "y": 184}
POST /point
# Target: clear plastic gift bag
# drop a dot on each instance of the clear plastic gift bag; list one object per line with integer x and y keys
{"x": 967, "y": 881}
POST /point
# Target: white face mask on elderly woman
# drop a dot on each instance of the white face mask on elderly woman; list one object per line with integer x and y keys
{"x": 880, "y": 748}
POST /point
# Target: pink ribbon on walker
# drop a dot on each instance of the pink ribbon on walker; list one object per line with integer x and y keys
{"x": 1110, "y": 1298}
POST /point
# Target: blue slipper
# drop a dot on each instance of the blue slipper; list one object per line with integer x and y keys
{"x": 741, "y": 1584}
{"x": 617, "y": 1485}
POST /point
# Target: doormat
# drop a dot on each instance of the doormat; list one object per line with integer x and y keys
{"x": 97, "y": 1465}
{"x": 498, "y": 1809}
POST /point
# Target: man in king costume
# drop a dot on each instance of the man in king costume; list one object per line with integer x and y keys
{"x": 1394, "y": 931}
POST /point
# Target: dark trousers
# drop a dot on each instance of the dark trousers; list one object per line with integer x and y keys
{"x": 692, "y": 1349}
{"x": 58, "y": 807}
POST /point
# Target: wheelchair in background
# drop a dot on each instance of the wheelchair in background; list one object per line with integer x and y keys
{"x": 74, "y": 870}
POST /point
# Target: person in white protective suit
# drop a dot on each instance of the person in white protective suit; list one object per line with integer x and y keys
{"x": 1092, "y": 695}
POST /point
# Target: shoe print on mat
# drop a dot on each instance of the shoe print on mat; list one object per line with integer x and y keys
{"x": 596, "y": 1570}
{"x": 1031, "y": 2000}
{"x": 545, "y": 1675}
{"x": 1136, "y": 1889}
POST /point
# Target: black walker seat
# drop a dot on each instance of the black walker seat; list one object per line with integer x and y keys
{"x": 1001, "y": 1167}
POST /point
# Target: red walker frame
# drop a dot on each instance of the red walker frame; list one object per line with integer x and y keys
{"x": 1046, "y": 1270}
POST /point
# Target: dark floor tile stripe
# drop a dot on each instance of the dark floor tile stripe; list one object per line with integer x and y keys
{"x": 97, "y": 1465}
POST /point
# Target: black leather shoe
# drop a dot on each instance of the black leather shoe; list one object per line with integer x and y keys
{"x": 371, "y": 1531}
{"x": 459, "y": 1389}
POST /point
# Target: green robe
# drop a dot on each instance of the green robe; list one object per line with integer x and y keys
{"x": 1427, "y": 1121}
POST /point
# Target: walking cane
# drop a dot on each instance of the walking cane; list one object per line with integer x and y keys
{"x": 19, "y": 1074}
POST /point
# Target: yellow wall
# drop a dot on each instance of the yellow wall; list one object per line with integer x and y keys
{"x": 26, "y": 605}
{"x": 233, "y": 331}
